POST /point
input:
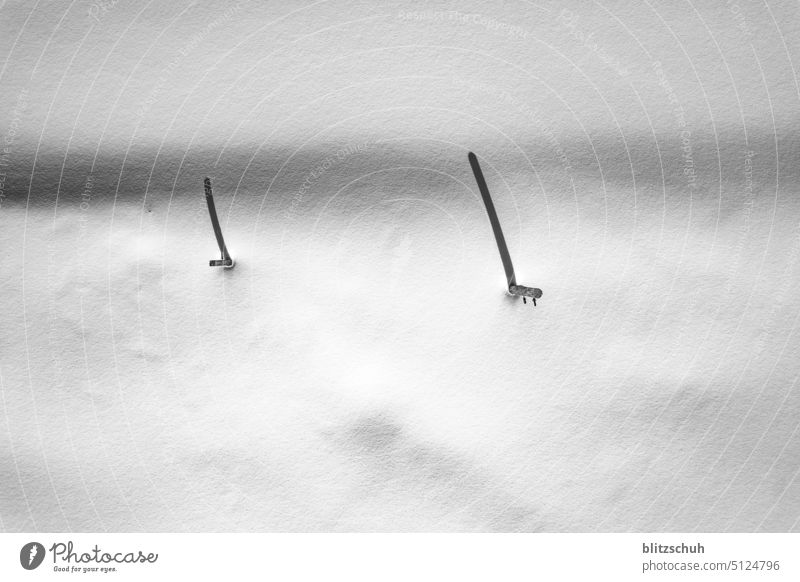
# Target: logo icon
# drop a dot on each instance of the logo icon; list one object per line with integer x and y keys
{"x": 31, "y": 555}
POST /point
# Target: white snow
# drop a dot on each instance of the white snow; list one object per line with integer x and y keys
{"x": 365, "y": 370}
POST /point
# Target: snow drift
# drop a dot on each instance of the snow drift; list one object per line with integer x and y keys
{"x": 362, "y": 367}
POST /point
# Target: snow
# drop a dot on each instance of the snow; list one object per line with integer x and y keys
{"x": 365, "y": 370}
{"x": 362, "y": 367}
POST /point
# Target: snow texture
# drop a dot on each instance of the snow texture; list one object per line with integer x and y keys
{"x": 363, "y": 367}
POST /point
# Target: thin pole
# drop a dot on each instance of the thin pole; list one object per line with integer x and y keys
{"x": 226, "y": 260}
{"x": 513, "y": 288}
{"x": 498, "y": 231}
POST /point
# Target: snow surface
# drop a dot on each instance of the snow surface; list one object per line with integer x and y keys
{"x": 362, "y": 368}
